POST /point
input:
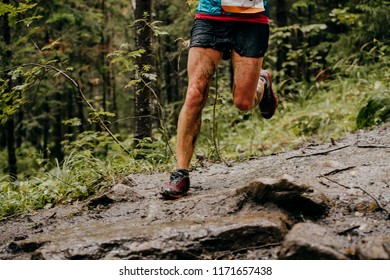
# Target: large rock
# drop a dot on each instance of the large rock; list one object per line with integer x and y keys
{"x": 308, "y": 241}
{"x": 288, "y": 194}
{"x": 374, "y": 248}
{"x": 128, "y": 239}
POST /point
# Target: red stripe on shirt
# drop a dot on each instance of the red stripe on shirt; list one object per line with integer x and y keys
{"x": 256, "y": 18}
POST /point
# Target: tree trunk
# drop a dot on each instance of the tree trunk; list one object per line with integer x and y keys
{"x": 142, "y": 109}
{"x": 12, "y": 167}
{"x": 105, "y": 41}
{"x": 20, "y": 130}
{"x": 281, "y": 21}
{"x": 10, "y": 125}
{"x": 3, "y": 138}
{"x": 114, "y": 104}
{"x": 80, "y": 114}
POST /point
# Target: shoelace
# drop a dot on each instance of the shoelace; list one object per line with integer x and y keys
{"x": 175, "y": 176}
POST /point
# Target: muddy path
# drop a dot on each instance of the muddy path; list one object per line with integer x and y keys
{"x": 321, "y": 201}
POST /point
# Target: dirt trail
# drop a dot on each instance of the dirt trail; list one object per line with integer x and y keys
{"x": 321, "y": 201}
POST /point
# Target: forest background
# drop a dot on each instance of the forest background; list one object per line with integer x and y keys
{"x": 91, "y": 90}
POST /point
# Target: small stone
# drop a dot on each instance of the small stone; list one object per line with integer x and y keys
{"x": 331, "y": 163}
{"x": 129, "y": 181}
{"x": 121, "y": 192}
{"x": 359, "y": 214}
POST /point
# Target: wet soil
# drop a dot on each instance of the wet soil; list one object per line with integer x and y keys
{"x": 320, "y": 201}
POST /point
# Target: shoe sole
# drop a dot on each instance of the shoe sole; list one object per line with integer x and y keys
{"x": 169, "y": 196}
{"x": 268, "y": 115}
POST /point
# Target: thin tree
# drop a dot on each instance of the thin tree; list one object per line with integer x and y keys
{"x": 142, "y": 108}
{"x": 10, "y": 123}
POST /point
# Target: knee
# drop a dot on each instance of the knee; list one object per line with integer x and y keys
{"x": 196, "y": 98}
{"x": 243, "y": 104}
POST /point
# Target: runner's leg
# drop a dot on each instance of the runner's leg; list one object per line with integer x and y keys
{"x": 246, "y": 79}
{"x": 202, "y": 63}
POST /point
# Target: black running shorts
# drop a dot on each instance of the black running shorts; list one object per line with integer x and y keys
{"x": 246, "y": 38}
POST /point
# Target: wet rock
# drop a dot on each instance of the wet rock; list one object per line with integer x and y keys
{"x": 118, "y": 193}
{"x": 251, "y": 230}
{"x": 174, "y": 240}
{"x": 288, "y": 194}
{"x": 308, "y": 241}
{"x": 221, "y": 204}
{"x": 374, "y": 248}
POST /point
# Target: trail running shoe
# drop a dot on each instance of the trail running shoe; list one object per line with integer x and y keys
{"x": 269, "y": 102}
{"x": 178, "y": 185}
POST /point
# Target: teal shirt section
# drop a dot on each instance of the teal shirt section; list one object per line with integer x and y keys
{"x": 213, "y": 7}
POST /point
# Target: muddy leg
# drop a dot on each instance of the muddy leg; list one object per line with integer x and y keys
{"x": 201, "y": 67}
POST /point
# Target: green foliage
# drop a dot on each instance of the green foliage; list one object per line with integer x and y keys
{"x": 11, "y": 98}
{"x": 14, "y": 13}
{"x": 344, "y": 16}
{"x": 375, "y": 112}
{"x": 72, "y": 122}
{"x": 368, "y": 28}
{"x": 125, "y": 57}
{"x": 96, "y": 143}
{"x": 192, "y": 3}
{"x": 77, "y": 177}
{"x": 155, "y": 26}
{"x": 93, "y": 162}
